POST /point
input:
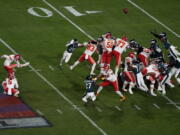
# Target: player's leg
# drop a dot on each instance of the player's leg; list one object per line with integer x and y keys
{"x": 101, "y": 85}
{"x": 68, "y": 56}
{"x": 125, "y": 83}
{"x": 81, "y": 59}
{"x": 15, "y": 83}
{"x": 85, "y": 97}
{"x": 15, "y": 92}
{"x": 63, "y": 58}
{"x": 164, "y": 81}
{"x": 152, "y": 82}
{"x": 92, "y": 61}
{"x": 116, "y": 89}
{"x": 99, "y": 59}
{"x": 118, "y": 61}
{"x": 140, "y": 81}
{"x": 177, "y": 74}
{"x": 92, "y": 96}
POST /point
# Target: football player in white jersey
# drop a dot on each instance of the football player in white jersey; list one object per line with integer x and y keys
{"x": 107, "y": 44}
{"x": 111, "y": 79}
{"x": 128, "y": 74}
{"x": 10, "y": 87}
{"x": 12, "y": 61}
{"x": 144, "y": 56}
{"x": 152, "y": 73}
{"x": 87, "y": 55}
{"x": 120, "y": 47}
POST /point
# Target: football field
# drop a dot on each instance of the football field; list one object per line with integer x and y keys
{"x": 39, "y": 30}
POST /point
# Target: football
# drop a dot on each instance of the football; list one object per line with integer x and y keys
{"x": 125, "y": 10}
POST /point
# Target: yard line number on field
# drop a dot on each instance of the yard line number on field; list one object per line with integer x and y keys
{"x": 155, "y": 19}
{"x": 48, "y": 13}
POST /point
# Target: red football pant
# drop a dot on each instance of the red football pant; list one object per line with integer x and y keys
{"x": 114, "y": 84}
{"x": 90, "y": 59}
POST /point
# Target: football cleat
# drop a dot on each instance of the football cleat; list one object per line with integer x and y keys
{"x": 122, "y": 98}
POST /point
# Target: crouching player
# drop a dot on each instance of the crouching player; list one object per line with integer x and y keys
{"x": 110, "y": 79}
{"x": 10, "y": 87}
{"x": 90, "y": 84}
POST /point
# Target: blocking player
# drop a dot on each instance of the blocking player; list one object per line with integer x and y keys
{"x": 120, "y": 47}
{"x": 156, "y": 51}
{"x": 71, "y": 46}
{"x": 87, "y": 55}
{"x": 107, "y": 44}
{"x": 90, "y": 85}
{"x": 174, "y": 64}
{"x": 111, "y": 79}
{"x": 128, "y": 74}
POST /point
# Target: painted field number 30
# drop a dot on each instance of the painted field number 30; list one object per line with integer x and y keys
{"x": 43, "y": 12}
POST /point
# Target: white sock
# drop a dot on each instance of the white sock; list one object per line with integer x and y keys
{"x": 93, "y": 68}
{"x": 119, "y": 93}
{"x": 124, "y": 85}
{"x": 116, "y": 70}
{"x": 75, "y": 64}
{"x": 99, "y": 89}
{"x": 178, "y": 80}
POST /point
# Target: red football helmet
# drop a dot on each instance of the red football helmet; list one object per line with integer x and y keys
{"x": 124, "y": 38}
{"x": 131, "y": 54}
{"x": 17, "y": 57}
{"x": 108, "y": 35}
{"x": 106, "y": 67}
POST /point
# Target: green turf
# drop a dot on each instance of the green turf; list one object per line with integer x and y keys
{"x": 42, "y": 42}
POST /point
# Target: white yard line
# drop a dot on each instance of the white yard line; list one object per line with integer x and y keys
{"x": 56, "y": 90}
{"x": 137, "y": 107}
{"x": 155, "y": 105}
{"x": 33, "y": 71}
{"x": 172, "y": 102}
{"x": 98, "y": 109}
{"x": 118, "y": 108}
{"x": 155, "y": 19}
{"x": 59, "y": 111}
{"x": 51, "y": 67}
{"x": 69, "y": 20}
{"x": 39, "y": 112}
